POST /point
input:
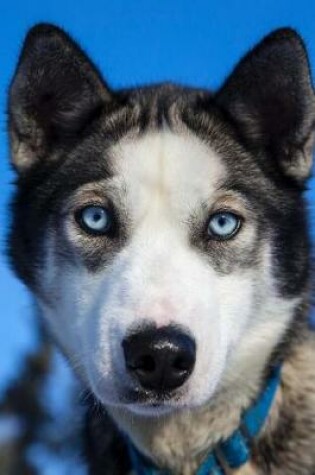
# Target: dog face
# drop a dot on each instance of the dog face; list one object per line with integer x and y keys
{"x": 162, "y": 230}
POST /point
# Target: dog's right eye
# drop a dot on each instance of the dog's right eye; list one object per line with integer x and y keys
{"x": 94, "y": 219}
{"x": 223, "y": 225}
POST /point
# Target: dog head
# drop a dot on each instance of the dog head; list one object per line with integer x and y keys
{"x": 162, "y": 230}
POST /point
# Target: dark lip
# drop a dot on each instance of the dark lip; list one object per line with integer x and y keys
{"x": 154, "y": 404}
{"x": 149, "y": 398}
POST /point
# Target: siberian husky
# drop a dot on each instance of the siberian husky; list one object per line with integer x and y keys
{"x": 163, "y": 233}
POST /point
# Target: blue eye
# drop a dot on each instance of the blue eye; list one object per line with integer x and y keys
{"x": 95, "y": 219}
{"x": 223, "y": 225}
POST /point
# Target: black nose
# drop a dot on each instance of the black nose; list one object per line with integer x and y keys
{"x": 161, "y": 359}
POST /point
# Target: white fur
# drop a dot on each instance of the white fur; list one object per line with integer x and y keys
{"x": 163, "y": 179}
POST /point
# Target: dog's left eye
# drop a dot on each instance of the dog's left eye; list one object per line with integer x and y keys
{"x": 94, "y": 219}
{"x": 223, "y": 225}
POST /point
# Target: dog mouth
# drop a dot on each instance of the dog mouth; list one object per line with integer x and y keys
{"x": 152, "y": 398}
{"x": 139, "y": 402}
{"x": 151, "y": 402}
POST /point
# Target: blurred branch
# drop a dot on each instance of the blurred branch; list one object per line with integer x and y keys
{"x": 22, "y": 400}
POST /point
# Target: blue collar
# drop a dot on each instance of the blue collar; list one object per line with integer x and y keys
{"x": 236, "y": 450}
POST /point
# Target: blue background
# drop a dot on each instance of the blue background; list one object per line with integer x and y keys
{"x": 193, "y": 42}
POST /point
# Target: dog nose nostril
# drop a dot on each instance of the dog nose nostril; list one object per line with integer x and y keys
{"x": 145, "y": 363}
{"x": 160, "y": 359}
{"x": 181, "y": 364}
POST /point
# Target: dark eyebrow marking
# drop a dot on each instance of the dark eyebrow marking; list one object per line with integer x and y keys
{"x": 239, "y": 188}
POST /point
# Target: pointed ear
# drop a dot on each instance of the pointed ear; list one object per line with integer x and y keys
{"x": 55, "y": 93}
{"x": 270, "y": 98}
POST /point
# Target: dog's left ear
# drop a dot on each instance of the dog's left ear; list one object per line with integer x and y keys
{"x": 55, "y": 94}
{"x": 270, "y": 98}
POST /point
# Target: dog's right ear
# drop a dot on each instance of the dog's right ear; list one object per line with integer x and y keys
{"x": 270, "y": 98}
{"x": 56, "y": 91}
